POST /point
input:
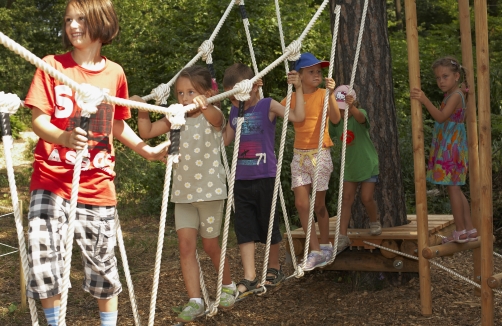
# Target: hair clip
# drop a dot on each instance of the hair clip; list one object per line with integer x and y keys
{"x": 453, "y": 62}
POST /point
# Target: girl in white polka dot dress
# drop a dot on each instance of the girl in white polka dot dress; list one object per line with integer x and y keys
{"x": 199, "y": 187}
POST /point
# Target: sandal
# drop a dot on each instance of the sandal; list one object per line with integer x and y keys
{"x": 470, "y": 235}
{"x": 275, "y": 279}
{"x": 456, "y": 237}
{"x": 251, "y": 287}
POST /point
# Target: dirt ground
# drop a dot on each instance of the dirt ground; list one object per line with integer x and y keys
{"x": 320, "y": 297}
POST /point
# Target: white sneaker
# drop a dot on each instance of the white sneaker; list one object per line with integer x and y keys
{"x": 375, "y": 228}
{"x": 314, "y": 260}
{"x": 343, "y": 243}
{"x": 327, "y": 251}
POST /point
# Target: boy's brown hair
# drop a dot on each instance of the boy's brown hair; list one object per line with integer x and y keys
{"x": 101, "y": 22}
{"x": 236, "y": 73}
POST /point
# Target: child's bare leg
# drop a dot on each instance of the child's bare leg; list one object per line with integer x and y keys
{"x": 247, "y": 255}
{"x": 457, "y": 208}
{"x": 51, "y": 302}
{"x": 108, "y": 305}
{"x": 369, "y": 202}
{"x": 349, "y": 193}
{"x": 273, "y": 258}
{"x": 302, "y": 204}
{"x": 322, "y": 216}
{"x": 187, "y": 238}
{"x": 213, "y": 250}
{"x": 467, "y": 216}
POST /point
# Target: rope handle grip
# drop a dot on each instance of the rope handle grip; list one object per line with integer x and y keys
{"x": 5, "y": 124}
{"x": 174, "y": 137}
{"x": 241, "y": 109}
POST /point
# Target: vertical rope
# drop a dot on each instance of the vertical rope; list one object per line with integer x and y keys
{"x": 344, "y": 133}
{"x": 160, "y": 242}
{"x": 7, "y": 144}
{"x": 127, "y": 273}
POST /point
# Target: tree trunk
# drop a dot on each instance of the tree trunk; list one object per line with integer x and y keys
{"x": 399, "y": 17}
{"x": 374, "y": 87}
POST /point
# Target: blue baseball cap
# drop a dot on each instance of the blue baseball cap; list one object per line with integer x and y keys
{"x": 308, "y": 60}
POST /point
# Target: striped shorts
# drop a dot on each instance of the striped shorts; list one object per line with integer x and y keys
{"x": 94, "y": 233}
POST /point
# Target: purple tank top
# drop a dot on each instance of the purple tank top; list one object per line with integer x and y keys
{"x": 256, "y": 157}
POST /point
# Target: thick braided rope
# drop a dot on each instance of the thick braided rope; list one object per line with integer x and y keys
{"x": 344, "y": 133}
{"x": 446, "y": 269}
{"x": 245, "y": 21}
{"x": 7, "y": 145}
{"x": 228, "y": 210}
{"x": 160, "y": 242}
{"x": 125, "y": 263}
{"x": 161, "y": 93}
{"x": 205, "y": 294}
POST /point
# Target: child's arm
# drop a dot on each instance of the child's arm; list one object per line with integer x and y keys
{"x": 213, "y": 115}
{"x": 42, "y": 126}
{"x": 296, "y": 115}
{"x": 128, "y": 137}
{"x": 358, "y": 115}
{"x": 334, "y": 110}
{"x": 228, "y": 134}
{"x": 146, "y": 128}
{"x": 439, "y": 116}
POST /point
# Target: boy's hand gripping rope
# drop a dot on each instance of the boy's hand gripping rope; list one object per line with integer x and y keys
{"x": 9, "y": 104}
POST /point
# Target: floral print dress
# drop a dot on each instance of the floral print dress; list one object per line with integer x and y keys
{"x": 448, "y": 158}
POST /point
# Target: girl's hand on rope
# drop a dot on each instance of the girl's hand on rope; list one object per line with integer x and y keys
{"x": 259, "y": 83}
{"x": 330, "y": 84}
{"x": 294, "y": 79}
{"x": 138, "y": 99}
{"x": 76, "y": 139}
{"x": 159, "y": 152}
{"x": 201, "y": 102}
{"x": 349, "y": 99}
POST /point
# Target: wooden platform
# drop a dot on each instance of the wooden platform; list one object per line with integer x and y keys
{"x": 369, "y": 258}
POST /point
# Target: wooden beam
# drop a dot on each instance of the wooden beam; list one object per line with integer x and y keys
{"x": 418, "y": 156}
{"x": 464, "y": 16}
{"x": 448, "y": 249}
{"x": 495, "y": 281}
{"x": 485, "y": 160}
{"x": 365, "y": 261}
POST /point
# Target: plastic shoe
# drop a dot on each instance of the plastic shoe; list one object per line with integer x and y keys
{"x": 191, "y": 311}
{"x": 456, "y": 237}
{"x": 375, "y": 228}
{"x": 227, "y": 298}
{"x": 314, "y": 260}
{"x": 327, "y": 252}
{"x": 343, "y": 243}
{"x": 470, "y": 235}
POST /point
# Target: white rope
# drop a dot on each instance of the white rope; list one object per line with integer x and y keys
{"x": 125, "y": 263}
{"x": 9, "y": 103}
{"x": 344, "y": 133}
{"x": 18, "y": 218}
{"x": 160, "y": 242}
{"x": 161, "y": 93}
{"x": 446, "y": 269}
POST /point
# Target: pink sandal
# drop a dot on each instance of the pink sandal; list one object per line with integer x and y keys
{"x": 456, "y": 237}
{"x": 470, "y": 235}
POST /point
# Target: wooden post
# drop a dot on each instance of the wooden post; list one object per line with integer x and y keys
{"x": 418, "y": 157}
{"x": 22, "y": 281}
{"x": 472, "y": 128}
{"x": 485, "y": 160}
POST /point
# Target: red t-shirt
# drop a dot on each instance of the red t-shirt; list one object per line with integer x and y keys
{"x": 53, "y": 165}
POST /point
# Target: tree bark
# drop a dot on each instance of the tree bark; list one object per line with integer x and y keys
{"x": 374, "y": 88}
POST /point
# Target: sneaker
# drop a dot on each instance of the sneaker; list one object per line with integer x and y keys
{"x": 191, "y": 311}
{"x": 343, "y": 243}
{"x": 327, "y": 251}
{"x": 314, "y": 260}
{"x": 227, "y": 298}
{"x": 375, "y": 228}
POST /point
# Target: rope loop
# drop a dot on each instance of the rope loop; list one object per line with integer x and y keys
{"x": 9, "y": 103}
{"x": 176, "y": 115}
{"x": 213, "y": 310}
{"x": 299, "y": 272}
{"x": 161, "y": 94}
{"x": 206, "y": 48}
{"x": 294, "y": 48}
{"x": 88, "y": 98}
{"x": 245, "y": 87}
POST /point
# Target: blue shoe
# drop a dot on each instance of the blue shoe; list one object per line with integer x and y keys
{"x": 314, "y": 260}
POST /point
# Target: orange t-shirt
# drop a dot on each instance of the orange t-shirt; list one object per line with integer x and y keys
{"x": 307, "y": 132}
{"x": 53, "y": 165}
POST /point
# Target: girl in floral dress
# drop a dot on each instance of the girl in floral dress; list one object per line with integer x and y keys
{"x": 448, "y": 159}
{"x": 199, "y": 188}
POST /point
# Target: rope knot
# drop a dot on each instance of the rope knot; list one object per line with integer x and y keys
{"x": 161, "y": 94}
{"x": 88, "y": 98}
{"x": 206, "y": 48}
{"x": 176, "y": 116}
{"x": 295, "y": 47}
{"x": 9, "y": 103}
{"x": 245, "y": 87}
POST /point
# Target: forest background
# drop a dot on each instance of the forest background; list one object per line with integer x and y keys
{"x": 158, "y": 38}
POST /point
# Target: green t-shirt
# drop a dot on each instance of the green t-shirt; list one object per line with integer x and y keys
{"x": 361, "y": 158}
